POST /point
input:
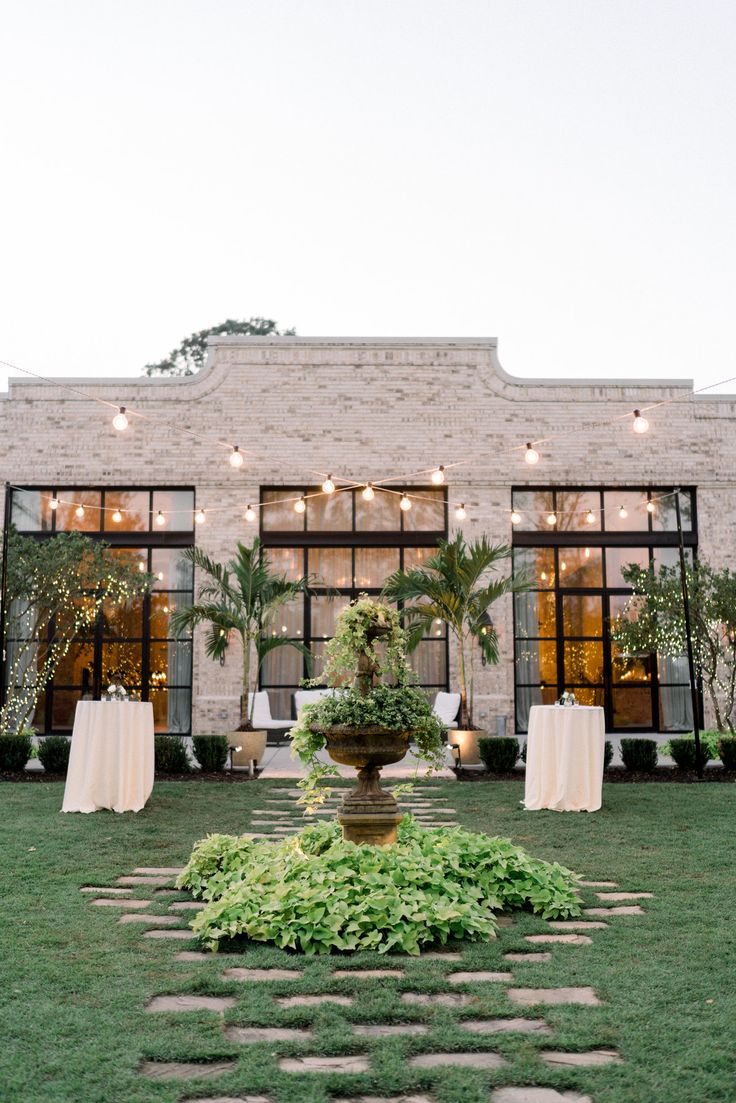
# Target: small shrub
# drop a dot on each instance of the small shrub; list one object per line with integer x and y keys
{"x": 639, "y": 755}
{"x": 522, "y": 753}
{"x": 683, "y": 752}
{"x": 607, "y": 754}
{"x": 211, "y": 752}
{"x": 15, "y": 750}
{"x": 53, "y": 753}
{"x": 499, "y": 753}
{"x": 727, "y": 751}
{"x": 171, "y": 755}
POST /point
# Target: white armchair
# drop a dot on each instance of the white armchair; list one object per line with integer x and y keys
{"x": 262, "y": 719}
{"x": 446, "y": 707}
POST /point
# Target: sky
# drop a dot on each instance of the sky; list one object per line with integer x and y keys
{"x": 559, "y": 174}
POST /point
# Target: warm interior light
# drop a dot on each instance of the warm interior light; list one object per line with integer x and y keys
{"x": 250, "y": 513}
{"x": 438, "y": 476}
{"x": 300, "y": 505}
{"x": 622, "y": 513}
{"x": 460, "y": 513}
{"x": 650, "y": 507}
{"x": 199, "y": 517}
{"x": 563, "y": 565}
{"x": 369, "y": 493}
{"x": 117, "y": 516}
{"x": 515, "y": 518}
{"x": 531, "y": 455}
{"x": 328, "y": 486}
{"x": 160, "y": 576}
{"x": 160, "y": 519}
{"x": 79, "y": 511}
{"x": 120, "y": 421}
{"x": 551, "y": 518}
{"x": 236, "y": 458}
{"x": 587, "y": 553}
{"x": 543, "y": 576}
{"x": 405, "y": 502}
{"x": 590, "y": 517}
{"x": 54, "y": 503}
{"x": 640, "y": 423}
{"x": 141, "y": 566}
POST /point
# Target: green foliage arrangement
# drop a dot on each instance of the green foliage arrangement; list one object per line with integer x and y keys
{"x": 607, "y": 754}
{"x": 15, "y": 750}
{"x": 170, "y": 755}
{"x": 639, "y": 755}
{"x": 189, "y": 357}
{"x": 682, "y": 749}
{"x": 318, "y": 894}
{"x": 727, "y": 751}
{"x": 211, "y": 752}
{"x": 499, "y": 754}
{"x": 53, "y": 753}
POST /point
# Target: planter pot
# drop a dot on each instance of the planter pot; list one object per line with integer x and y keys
{"x": 251, "y": 748}
{"x": 467, "y": 742}
{"x": 369, "y": 814}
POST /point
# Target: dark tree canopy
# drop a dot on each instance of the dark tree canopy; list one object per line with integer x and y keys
{"x": 188, "y": 357}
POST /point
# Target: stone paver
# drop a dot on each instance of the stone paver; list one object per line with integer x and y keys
{"x": 190, "y": 1003}
{"x": 566, "y": 939}
{"x": 228, "y": 1099}
{"x": 105, "y": 889}
{"x": 120, "y": 902}
{"x": 614, "y": 897}
{"x": 598, "y": 884}
{"x": 185, "y": 1070}
{"x": 192, "y": 955}
{"x": 388, "y": 1030}
{"x": 140, "y": 880}
{"x": 536, "y": 1095}
{"x": 313, "y": 1001}
{"x": 528, "y": 958}
{"x": 504, "y": 1026}
{"x": 442, "y": 999}
{"x": 527, "y": 997}
{"x": 156, "y": 871}
{"x": 239, "y": 973}
{"x": 634, "y": 909}
{"x": 464, "y": 1060}
{"x": 582, "y": 1060}
{"x": 252, "y": 1035}
{"x": 368, "y": 973}
{"x": 187, "y": 906}
{"x": 381, "y": 1099}
{"x": 576, "y": 925}
{"x": 479, "y": 976}
{"x": 154, "y": 920}
{"x": 325, "y": 1064}
{"x": 433, "y": 955}
{"x": 177, "y": 934}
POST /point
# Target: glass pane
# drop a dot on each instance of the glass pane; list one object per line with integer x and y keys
{"x": 374, "y": 565}
{"x": 133, "y": 507}
{"x": 634, "y": 503}
{"x": 318, "y": 658}
{"x": 278, "y": 513}
{"x": 581, "y": 567}
{"x": 585, "y": 695}
{"x": 122, "y": 663}
{"x": 526, "y": 696}
{"x": 582, "y": 615}
{"x": 583, "y": 662}
{"x": 39, "y": 715}
{"x": 136, "y": 559}
{"x": 572, "y": 510}
{"x": 533, "y": 505}
{"x": 536, "y": 563}
{"x": 288, "y": 562}
{"x": 66, "y": 514}
{"x": 77, "y": 666}
{"x": 63, "y": 706}
{"x": 670, "y": 557}
{"x": 172, "y": 570}
{"x": 664, "y": 517}
{"x": 632, "y": 708}
{"x": 330, "y": 512}
{"x": 535, "y": 614}
{"x": 162, "y": 607}
{"x": 427, "y": 513}
{"x": 332, "y": 566}
{"x": 675, "y": 708}
{"x": 289, "y": 619}
{"x": 171, "y": 663}
{"x": 630, "y": 668}
{"x": 417, "y": 557}
{"x": 382, "y": 514}
{"x": 283, "y": 667}
{"x": 123, "y": 620}
{"x": 324, "y": 612}
{"x": 673, "y": 668}
{"x": 79, "y": 620}
{"x": 536, "y": 661}
{"x": 172, "y": 709}
{"x": 177, "y": 507}
{"x": 618, "y": 558}
{"x": 31, "y": 511}
{"x": 618, "y": 605}
{"x": 428, "y": 660}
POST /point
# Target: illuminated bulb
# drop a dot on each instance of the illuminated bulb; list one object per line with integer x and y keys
{"x": 515, "y": 518}
{"x": 587, "y": 553}
{"x": 199, "y": 517}
{"x": 328, "y": 486}
{"x": 622, "y": 513}
{"x": 405, "y": 502}
{"x": 650, "y": 507}
{"x": 531, "y": 455}
{"x": 460, "y": 513}
{"x": 284, "y": 628}
{"x": 563, "y": 565}
{"x": 166, "y": 608}
{"x": 54, "y": 503}
{"x": 120, "y": 421}
{"x": 438, "y": 476}
{"x": 300, "y": 505}
{"x": 141, "y": 566}
{"x": 543, "y": 576}
{"x": 551, "y": 518}
{"x": 640, "y": 423}
{"x": 369, "y": 493}
{"x": 236, "y": 459}
{"x": 79, "y": 512}
{"x": 160, "y": 576}
{"x": 117, "y": 516}
{"x": 590, "y": 517}
{"x": 160, "y": 519}
{"x": 250, "y": 513}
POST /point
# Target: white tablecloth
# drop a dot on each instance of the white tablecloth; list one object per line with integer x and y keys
{"x": 111, "y": 761}
{"x": 564, "y": 758}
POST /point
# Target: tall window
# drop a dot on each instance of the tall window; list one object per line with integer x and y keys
{"x": 351, "y": 545}
{"x": 131, "y": 644}
{"x": 574, "y": 544}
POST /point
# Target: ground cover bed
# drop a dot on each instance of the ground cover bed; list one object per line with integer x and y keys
{"x": 81, "y": 1021}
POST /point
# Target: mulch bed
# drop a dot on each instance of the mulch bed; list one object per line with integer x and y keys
{"x": 619, "y": 774}
{"x": 197, "y": 775}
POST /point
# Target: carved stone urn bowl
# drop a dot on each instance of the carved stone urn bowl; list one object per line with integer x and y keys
{"x": 368, "y": 814}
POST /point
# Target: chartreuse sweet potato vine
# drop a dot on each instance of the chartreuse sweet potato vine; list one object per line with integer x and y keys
{"x": 316, "y": 893}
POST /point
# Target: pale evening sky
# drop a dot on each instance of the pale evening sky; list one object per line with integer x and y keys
{"x": 560, "y": 175}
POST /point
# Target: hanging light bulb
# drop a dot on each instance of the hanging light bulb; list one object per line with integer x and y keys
{"x": 328, "y": 486}
{"x": 160, "y": 519}
{"x": 300, "y": 505}
{"x": 587, "y": 553}
{"x": 650, "y": 507}
{"x": 460, "y": 513}
{"x": 590, "y": 517}
{"x": 515, "y": 517}
{"x": 531, "y": 455}
{"x": 405, "y": 502}
{"x": 250, "y": 513}
{"x": 236, "y": 457}
{"x": 79, "y": 511}
{"x": 551, "y": 518}
{"x": 54, "y": 503}
{"x": 563, "y": 565}
{"x": 117, "y": 516}
{"x": 160, "y": 576}
{"x": 368, "y": 492}
{"x": 120, "y": 421}
{"x": 543, "y": 576}
{"x": 622, "y": 513}
{"x": 438, "y": 476}
{"x": 141, "y": 566}
{"x": 199, "y": 517}
{"x": 641, "y": 425}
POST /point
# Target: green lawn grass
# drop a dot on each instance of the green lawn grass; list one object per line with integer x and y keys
{"x": 74, "y": 982}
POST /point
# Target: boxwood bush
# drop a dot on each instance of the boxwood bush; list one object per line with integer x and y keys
{"x": 682, "y": 749}
{"x": 15, "y": 750}
{"x": 171, "y": 755}
{"x": 53, "y": 753}
{"x": 499, "y": 753}
{"x": 607, "y": 754}
{"x": 727, "y": 751}
{"x": 639, "y": 755}
{"x": 211, "y": 752}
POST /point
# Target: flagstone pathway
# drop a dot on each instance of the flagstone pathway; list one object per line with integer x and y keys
{"x": 152, "y": 886}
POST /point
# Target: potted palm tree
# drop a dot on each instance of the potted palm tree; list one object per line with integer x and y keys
{"x": 454, "y": 586}
{"x": 242, "y": 597}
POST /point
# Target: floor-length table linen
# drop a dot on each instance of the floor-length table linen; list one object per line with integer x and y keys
{"x": 111, "y": 763}
{"x": 564, "y": 758}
